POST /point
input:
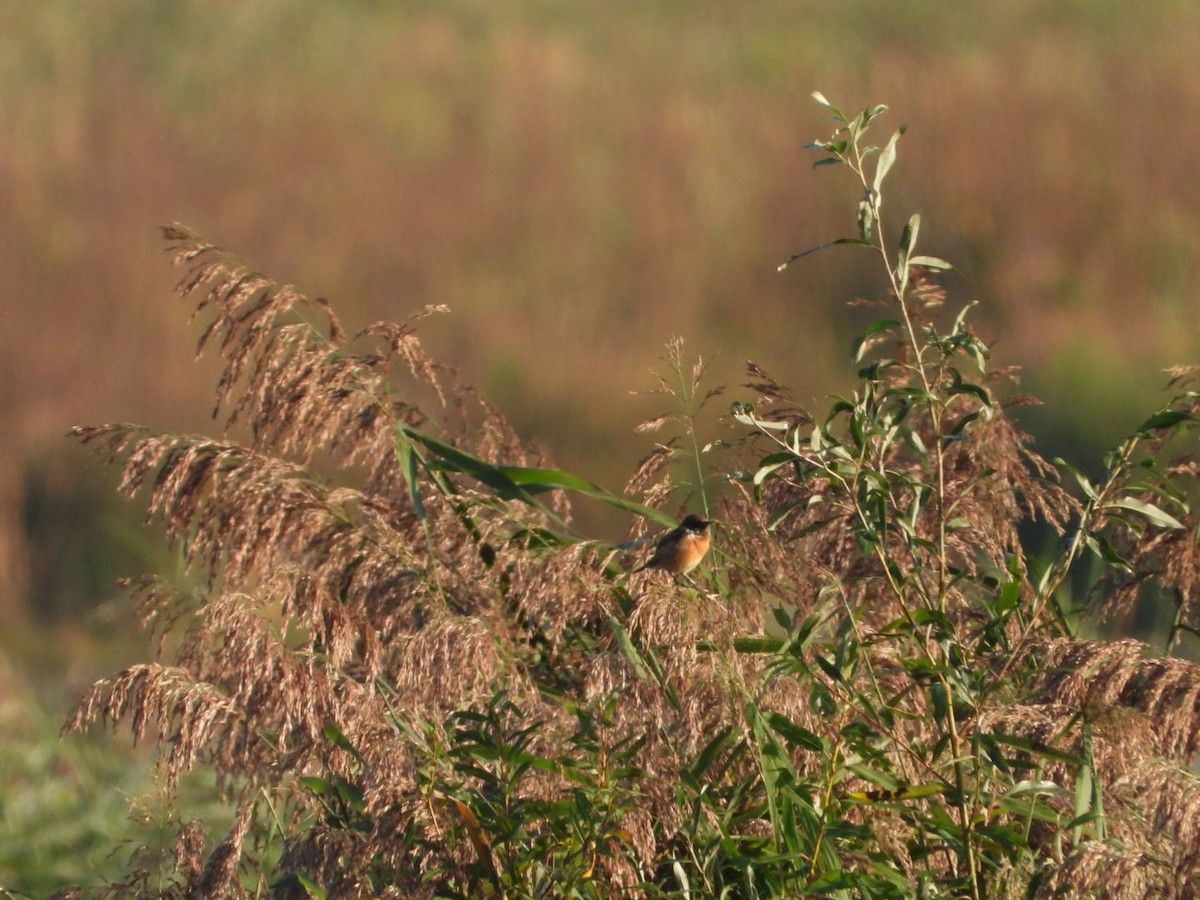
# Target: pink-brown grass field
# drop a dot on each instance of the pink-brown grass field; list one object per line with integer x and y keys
{"x": 577, "y": 186}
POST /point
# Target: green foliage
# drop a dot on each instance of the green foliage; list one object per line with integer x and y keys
{"x": 83, "y": 809}
{"x": 423, "y": 683}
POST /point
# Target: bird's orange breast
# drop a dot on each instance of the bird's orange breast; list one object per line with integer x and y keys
{"x": 691, "y": 550}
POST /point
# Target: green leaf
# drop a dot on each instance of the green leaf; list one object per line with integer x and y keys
{"x": 1083, "y": 809}
{"x": 992, "y": 751}
{"x": 314, "y": 784}
{"x": 908, "y": 240}
{"x": 863, "y": 342}
{"x": 710, "y": 751}
{"x": 523, "y": 484}
{"x": 918, "y": 444}
{"x": 744, "y": 413}
{"x": 852, "y": 242}
{"x": 1027, "y": 805}
{"x": 1101, "y": 546}
{"x": 866, "y": 220}
{"x": 629, "y": 651}
{"x": 1009, "y": 597}
{"x": 311, "y": 888}
{"x": 681, "y": 879}
{"x": 968, "y": 387}
{"x": 863, "y": 120}
{"x": 334, "y": 735}
{"x": 785, "y": 510}
{"x": 770, "y": 463}
{"x": 904, "y": 792}
{"x": 929, "y": 262}
{"x": 539, "y": 480}
{"x": 920, "y": 618}
{"x": 940, "y": 700}
{"x": 1148, "y": 511}
{"x": 1084, "y": 482}
{"x": 838, "y": 147}
{"x": 1037, "y": 749}
{"x": 887, "y": 159}
{"x": 908, "y": 237}
{"x": 758, "y": 644}
{"x": 837, "y": 114}
{"x": 1166, "y": 418}
{"x": 1031, "y": 787}
{"x": 880, "y": 325}
{"x": 885, "y": 780}
{"x": 794, "y": 734}
{"x": 407, "y": 457}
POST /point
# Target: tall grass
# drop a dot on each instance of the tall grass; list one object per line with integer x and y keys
{"x": 410, "y": 676}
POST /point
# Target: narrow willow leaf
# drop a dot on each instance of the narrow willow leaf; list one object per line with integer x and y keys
{"x": 991, "y": 750}
{"x": 681, "y": 879}
{"x": 908, "y": 240}
{"x": 885, "y": 780}
{"x": 958, "y": 386}
{"x": 866, "y": 220}
{"x": 961, "y": 318}
{"x": 1029, "y": 806}
{"x": 722, "y": 740}
{"x": 311, "y": 888}
{"x": 880, "y": 325}
{"x": 1149, "y": 511}
{"x": 838, "y": 147}
{"x": 1083, "y": 481}
{"x": 918, "y": 444}
{"x": 906, "y": 792}
{"x": 1103, "y": 548}
{"x": 765, "y": 472}
{"x": 1038, "y": 749}
{"x": 1167, "y": 418}
{"x": 781, "y": 513}
{"x": 629, "y": 651}
{"x": 794, "y": 734}
{"x": 334, "y": 735}
{"x": 887, "y": 158}
{"x": 854, "y": 242}
{"x": 940, "y": 701}
{"x": 929, "y": 262}
{"x": 744, "y": 413}
{"x": 1029, "y": 786}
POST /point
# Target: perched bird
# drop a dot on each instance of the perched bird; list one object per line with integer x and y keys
{"x": 680, "y": 549}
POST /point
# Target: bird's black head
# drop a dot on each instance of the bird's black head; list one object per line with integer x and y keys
{"x": 693, "y": 522}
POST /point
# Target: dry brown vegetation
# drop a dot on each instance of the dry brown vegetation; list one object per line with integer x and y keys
{"x": 411, "y": 678}
{"x": 577, "y": 187}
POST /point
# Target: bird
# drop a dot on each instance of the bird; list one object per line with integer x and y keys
{"x": 680, "y": 549}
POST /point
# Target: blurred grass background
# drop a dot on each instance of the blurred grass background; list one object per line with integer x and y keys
{"x": 578, "y": 183}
